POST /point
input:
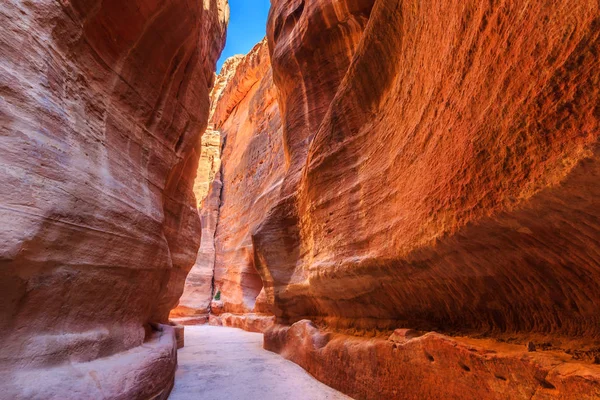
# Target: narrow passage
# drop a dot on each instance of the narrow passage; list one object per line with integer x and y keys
{"x": 230, "y": 364}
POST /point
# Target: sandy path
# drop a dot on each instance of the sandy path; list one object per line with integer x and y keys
{"x": 230, "y": 364}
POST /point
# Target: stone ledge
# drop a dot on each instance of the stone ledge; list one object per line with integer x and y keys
{"x": 412, "y": 365}
{"x": 144, "y": 372}
{"x": 248, "y": 322}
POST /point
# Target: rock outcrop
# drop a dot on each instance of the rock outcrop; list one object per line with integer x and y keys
{"x": 421, "y": 365}
{"x": 245, "y": 117}
{"x": 452, "y": 189}
{"x": 441, "y": 174}
{"x": 193, "y": 306}
{"x": 103, "y": 103}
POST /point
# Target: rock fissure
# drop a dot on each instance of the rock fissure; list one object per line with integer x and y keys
{"x": 406, "y": 198}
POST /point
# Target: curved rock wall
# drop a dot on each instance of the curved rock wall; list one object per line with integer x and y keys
{"x": 452, "y": 189}
{"x": 441, "y": 174}
{"x": 194, "y": 304}
{"x": 247, "y": 116}
{"x": 103, "y": 103}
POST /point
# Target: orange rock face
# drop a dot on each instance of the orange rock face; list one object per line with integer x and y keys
{"x": 102, "y": 106}
{"x": 194, "y": 304}
{"x": 452, "y": 189}
{"x": 441, "y": 174}
{"x": 428, "y": 366}
{"x": 247, "y": 115}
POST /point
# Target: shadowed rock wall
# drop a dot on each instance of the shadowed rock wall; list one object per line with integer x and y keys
{"x": 103, "y": 103}
{"x": 247, "y": 116}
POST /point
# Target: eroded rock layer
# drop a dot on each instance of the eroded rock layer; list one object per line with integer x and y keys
{"x": 414, "y": 365}
{"x": 441, "y": 174}
{"x": 453, "y": 186}
{"x": 247, "y": 115}
{"x": 103, "y": 103}
{"x": 194, "y": 304}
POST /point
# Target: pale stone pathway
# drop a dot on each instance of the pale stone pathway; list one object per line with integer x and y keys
{"x": 230, "y": 364}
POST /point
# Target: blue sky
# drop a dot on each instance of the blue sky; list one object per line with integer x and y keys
{"x": 247, "y": 26}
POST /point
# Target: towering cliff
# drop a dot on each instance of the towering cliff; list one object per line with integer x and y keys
{"x": 441, "y": 174}
{"x": 194, "y": 304}
{"x": 469, "y": 171}
{"x": 411, "y": 188}
{"x": 248, "y": 118}
{"x": 103, "y": 103}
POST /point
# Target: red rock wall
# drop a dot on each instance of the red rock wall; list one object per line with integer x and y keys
{"x": 195, "y": 301}
{"x": 412, "y": 365}
{"x": 441, "y": 174}
{"x": 452, "y": 189}
{"x": 247, "y": 115}
{"x": 194, "y": 304}
{"x": 102, "y": 106}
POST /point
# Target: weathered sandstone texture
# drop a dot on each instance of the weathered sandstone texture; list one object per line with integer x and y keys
{"x": 195, "y": 301}
{"x": 442, "y": 169}
{"x": 414, "y": 365}
{"x": 250, "y": 322}
{"x": 142, "y": 372}
{"x": 252, "y": 167}
{"x": 102, "y": 105}
{"x": 246, "y": 115}
{"x": 194, "y": 304}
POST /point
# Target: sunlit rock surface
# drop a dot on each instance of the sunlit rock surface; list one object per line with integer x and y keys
{"x": 102, "y": 106}
{"x": 442, "y": 174}
{"x": 433, "y": 366}
{"x": 247, "y": 116}
{"x": 194, "y": 304}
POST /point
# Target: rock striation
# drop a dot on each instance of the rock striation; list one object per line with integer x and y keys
{"x": 102, "y": 106}
{"x": 441, "y": 175}
{"x": 194, "y": 304}
{"x": 459, "y": 195}
{"x": 411, "y": 189}
{"x": 247, "y": 115}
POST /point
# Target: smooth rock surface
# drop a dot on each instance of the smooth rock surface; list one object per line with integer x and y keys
{"x": 247, "y": 115}
{"x": 443, "y": 168}
{"x": 102, "y": 104}
{"x": 141, "y": 373}
{"x": 198, "y": 290}
{"x": 248, "y": 321}
{"x": 227, "y": 363}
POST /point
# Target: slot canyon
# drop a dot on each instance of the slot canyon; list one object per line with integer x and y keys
{"x": 401, "y": 197}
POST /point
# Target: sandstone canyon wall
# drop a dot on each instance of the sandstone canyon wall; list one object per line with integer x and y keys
{"x": 246, "y": 116}
{"x": 441, "y": 175}
{"x": 194, "y": 304}
{"x": 412, "y": 189}
{"x": 103, "y": 103}
{"x": 252, "y": 169}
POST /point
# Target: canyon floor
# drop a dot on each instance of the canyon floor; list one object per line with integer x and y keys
{"x": 227, "y": 363}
